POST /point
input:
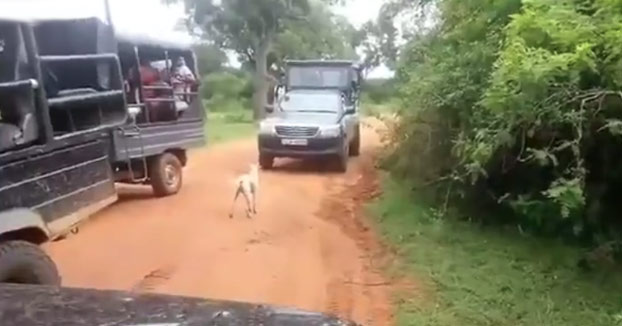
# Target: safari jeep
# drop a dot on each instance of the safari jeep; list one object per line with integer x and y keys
{"x": 315, "y": 114}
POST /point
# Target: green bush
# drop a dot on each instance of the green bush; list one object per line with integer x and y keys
{"x": 379, "y": 91}
{"x": 228, "y": 85}
{"x": 514, "y": 105}
{"x": 469, "y": 274}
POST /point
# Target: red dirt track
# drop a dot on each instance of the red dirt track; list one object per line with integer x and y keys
{"x": 309, "y": 247}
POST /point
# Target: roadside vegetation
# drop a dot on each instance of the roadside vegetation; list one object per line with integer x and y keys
{"x": 506, "y": 149}
{"x": 227, "y": 98}
{"x": 469, "y": 274}
{"x": 379, "y": 96}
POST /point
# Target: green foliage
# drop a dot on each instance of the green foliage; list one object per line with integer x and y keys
{"x": 227, "y": 85}
{"x": 264, "y": 32}
{"x": 249, "y": 28}
{"x": 210, "y": 58}
{"x": 379, "y": 91}
{"x": 519, "y": 101}
{"x": 321, "y": 34}
{"x": 466, "y": 274}
{"x": 229, "y": 125}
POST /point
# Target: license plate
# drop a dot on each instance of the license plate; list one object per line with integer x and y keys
{"x": 295, "y": 142}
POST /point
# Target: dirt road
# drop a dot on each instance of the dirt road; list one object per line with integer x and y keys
{"x": 307, "y": 248}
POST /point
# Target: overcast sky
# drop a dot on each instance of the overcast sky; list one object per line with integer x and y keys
{"x": 152, "y": 16}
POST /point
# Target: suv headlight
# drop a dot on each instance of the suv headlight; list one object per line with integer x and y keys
{"x": 266, "y": 128}
{"x": 331, "y": 131}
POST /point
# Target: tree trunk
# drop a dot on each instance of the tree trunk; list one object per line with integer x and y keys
{"x": 261, "y": 82}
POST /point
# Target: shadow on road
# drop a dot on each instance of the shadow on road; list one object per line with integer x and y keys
{"x": 293, "y": 166}
{"x": 134, "y": 193}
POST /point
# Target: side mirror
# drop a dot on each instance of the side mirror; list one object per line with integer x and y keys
{"x": 269, "y": 108}
{"x": 350, "y": 110}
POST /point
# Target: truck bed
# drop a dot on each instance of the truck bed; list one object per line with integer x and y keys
{"x": 152, "y": 139}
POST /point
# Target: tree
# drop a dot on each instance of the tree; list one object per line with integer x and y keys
{"x": 210, "y": 58}
{"x": 321, "y": 34}
{"x": 515, "y": 105}
{"x": 249, "y": 27}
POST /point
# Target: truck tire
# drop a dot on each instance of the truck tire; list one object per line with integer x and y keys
{"x": 355, "y": 147}
{"x": 266, "y": 161}
{"x": 166, "y": 175}
{"x": 342, "y": 160}
{"x": 25, "y": 263}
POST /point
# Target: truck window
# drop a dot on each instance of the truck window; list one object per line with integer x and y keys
{"x": 83, "y": 94}
{"x": 18, "y": 125}
{"x": 166, "y": 91}
{"x": 318, "y": 77}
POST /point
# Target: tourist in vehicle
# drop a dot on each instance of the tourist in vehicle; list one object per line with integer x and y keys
{"x": 182, "y": 72}
{"x": 183, "y": 80}
{"x": 150, "y": 76}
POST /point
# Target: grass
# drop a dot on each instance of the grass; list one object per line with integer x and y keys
{"x": 227, "y": 126}
{"x": 478, "y": 276}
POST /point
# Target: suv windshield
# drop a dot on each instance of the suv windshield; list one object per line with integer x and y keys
{"x": 318, "y": 77}
{"x": 311, "y": 103}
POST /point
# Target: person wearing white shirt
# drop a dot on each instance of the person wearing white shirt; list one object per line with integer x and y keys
{"x": 183, "y": 79}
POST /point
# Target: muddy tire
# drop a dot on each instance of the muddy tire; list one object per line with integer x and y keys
{"x": 166, "y": 175}
{"x": 266, "y": 162}
{"x": 341, "y": 163}
{"x": 355, "y": 146}
{"x": 25, "y": 263}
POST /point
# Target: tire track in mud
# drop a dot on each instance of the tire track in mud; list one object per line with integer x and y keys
{"x": 154, "y": 279}
{"x": 360, "y": 288}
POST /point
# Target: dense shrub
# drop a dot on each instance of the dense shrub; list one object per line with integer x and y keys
{"x": 226, "y": 84}
{"x": 227, "y": 91}
{"x": 514, "y": 105}
{"x": 379, "y": 91}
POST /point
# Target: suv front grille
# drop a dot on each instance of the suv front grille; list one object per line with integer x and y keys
{"x": 296, "y": 131}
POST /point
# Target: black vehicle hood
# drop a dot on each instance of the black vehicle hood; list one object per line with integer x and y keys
{"x": 315, "y": 118}
{"x": 26, "y": 305}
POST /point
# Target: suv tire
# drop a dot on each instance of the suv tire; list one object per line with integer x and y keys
{"x": 165, "y": 172}
{"x": 355, "y": 146}
{"x": 25, "y": 263}
{"x": 342, "y": 160}
{"x": 266, "y": 162}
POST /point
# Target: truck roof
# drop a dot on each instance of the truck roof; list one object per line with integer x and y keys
{"x": 322, "y": 62}
{"x": 20, "y": 12}
{"x": 29, "y": 11}
{"x": 153, "y": 40}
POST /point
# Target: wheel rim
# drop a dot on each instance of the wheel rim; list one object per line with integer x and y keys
{"x": 171, "y": 175}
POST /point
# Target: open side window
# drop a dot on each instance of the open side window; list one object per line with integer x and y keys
{"x": 157, "y": 85}
{"x": 18, "y": 125}
{"x": 82, "y": 76}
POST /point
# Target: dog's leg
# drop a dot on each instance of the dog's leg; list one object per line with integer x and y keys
{"x": 248, "y": 204}
{"x": 235, "y": 198}
{"x": 254, "y": 204}
{"x": 254, "y": 194}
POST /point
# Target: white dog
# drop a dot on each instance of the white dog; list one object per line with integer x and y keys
{"x": 248, "y": 186}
